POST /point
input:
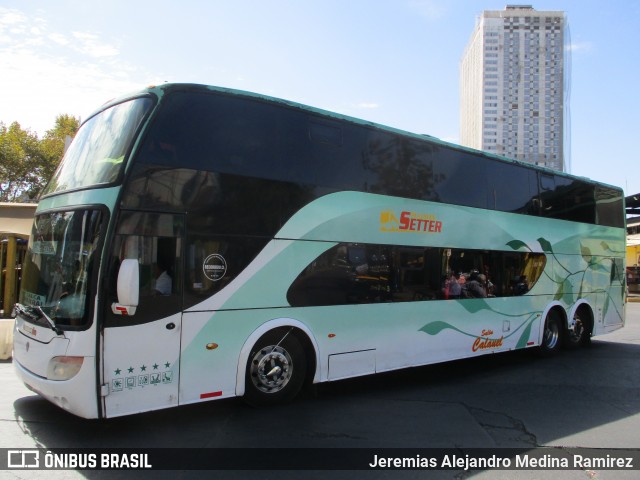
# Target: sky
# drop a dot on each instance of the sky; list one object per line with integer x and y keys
{"x": 394, "y": 62}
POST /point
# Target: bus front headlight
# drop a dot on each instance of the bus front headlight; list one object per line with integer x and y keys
{"x": 64, "y": 368}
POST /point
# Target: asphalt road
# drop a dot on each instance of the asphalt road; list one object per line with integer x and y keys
{"x": 589, "y": 397}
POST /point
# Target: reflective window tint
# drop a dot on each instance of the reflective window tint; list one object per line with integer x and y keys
{"x": 237, "y": 136}
{"x": 512, "y": 188}
{"x": 155, "y": 240}
{"x": 351, "y": 273}
{"x": 97, "y": 154}
{"x": 609, "y": 204}
{"x": 461, "y": 178}
{"x": 567, "y": 199}
{"x": 212, "y": 262}
{"x": 60, "y": 262}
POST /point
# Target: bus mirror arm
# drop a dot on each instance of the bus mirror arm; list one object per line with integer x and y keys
{"x": 128, "y": 288}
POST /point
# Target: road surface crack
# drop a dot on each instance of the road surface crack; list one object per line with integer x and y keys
{"x": 505, "y": 430}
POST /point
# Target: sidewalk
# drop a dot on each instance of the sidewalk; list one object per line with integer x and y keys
{"x": 633, "y": 297}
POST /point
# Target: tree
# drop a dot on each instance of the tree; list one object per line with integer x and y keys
{"x": 26, "y": 162}
{"x": 19, "y": 154}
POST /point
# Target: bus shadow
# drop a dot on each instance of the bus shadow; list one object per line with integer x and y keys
{"x": 535, "y": 401}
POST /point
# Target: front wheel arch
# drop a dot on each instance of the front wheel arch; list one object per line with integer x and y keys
{"x": 280, "y": 362}
{"x": 276, "y": 368}
{"x": 303, "y": 333}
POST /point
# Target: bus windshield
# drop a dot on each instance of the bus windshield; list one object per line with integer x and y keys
{"x": 96, "y": 155}
{"x": 61, "y": 256}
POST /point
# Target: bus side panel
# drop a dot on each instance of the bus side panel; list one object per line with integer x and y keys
{"x": 211, "y": 344}
{"x": 594, "y": 275}
{"x": 142, "y": 366}
{"x": 420, "y": 333}
{"x": 396, "y": 335}
{"x": 401, "y": 333}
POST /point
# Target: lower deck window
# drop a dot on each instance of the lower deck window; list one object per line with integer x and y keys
{"x": 351, "y": 273}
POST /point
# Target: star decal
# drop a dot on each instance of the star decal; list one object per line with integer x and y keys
{"x": 167, "y": 365}
{"x": 117, "y": 371}
{"x": 155, "y": 366}
{"x": 143, "y": 368}
{"x": 130, "y": 369}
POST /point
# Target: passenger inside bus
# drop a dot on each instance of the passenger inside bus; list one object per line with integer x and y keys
{"x": 163, "y": 279}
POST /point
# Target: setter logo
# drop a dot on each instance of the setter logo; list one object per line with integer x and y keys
{"x": 409, "y": 222}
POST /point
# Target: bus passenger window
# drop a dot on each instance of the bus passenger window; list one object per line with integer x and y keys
{"x": 154, "y": 240}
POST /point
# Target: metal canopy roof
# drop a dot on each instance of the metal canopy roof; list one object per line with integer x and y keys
{"x": 633, "y": 204}
{"x": 16, "y": 219}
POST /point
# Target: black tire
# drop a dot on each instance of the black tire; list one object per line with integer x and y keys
{"x": 276, "y": 369}
{"x": 580, "y": 333}
{"x": 552, "y": 335}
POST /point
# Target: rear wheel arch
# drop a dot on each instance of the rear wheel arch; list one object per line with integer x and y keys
{"x": 553, "y": 331}
{"x": 579, "y": 325}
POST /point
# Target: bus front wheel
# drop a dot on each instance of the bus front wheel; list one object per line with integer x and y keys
{"x": 551, "y": 335}
{"x": 275, "y": 370}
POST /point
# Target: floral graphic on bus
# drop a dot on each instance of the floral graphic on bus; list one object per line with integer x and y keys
{"x": 484, "y": 341}
{"x": 571, "y": 278}
{"x": 572, "y": 284}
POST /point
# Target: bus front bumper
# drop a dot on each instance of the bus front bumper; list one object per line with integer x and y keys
{"x": 76, "y": 395}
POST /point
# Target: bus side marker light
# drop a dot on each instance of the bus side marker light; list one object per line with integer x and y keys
{"x": 332, "y": 335}
{"x": 212, "y": 346}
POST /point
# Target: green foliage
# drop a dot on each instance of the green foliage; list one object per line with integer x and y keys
{"x": 518, "y": 244}
{"x": 546, "y": 245}
{"x": 436, "y": 327}
{"x": 27, "y": 162}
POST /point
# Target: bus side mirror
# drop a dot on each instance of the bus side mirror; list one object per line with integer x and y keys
{"x": 128, "y": 288}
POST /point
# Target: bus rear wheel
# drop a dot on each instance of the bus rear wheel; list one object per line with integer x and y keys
{"x": 551, "y": 336}
{"x": 579, "y": 331}
{"x": 275, "y": 370}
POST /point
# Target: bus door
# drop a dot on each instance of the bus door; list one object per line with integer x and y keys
{"x": 141, "y": 343}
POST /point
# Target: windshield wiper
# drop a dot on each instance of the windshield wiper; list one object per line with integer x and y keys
{"x": 49, "y": 320}
{"x": 18, "y": 308}
{"x": 29, "y": 313}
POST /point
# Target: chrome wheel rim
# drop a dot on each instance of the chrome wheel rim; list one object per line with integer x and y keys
{"x": 271, "y": 369}
{"x": 551, "y": 334}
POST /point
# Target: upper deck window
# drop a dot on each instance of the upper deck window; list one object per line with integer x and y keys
{"x": 96, "y": 155}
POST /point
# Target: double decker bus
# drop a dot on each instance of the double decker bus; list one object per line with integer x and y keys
{"x": 200, "y": 243}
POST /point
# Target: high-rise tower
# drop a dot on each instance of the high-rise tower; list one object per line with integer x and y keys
{"x": 513, "y": 86}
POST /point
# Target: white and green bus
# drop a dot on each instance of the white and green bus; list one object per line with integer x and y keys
{"x": 200, "y": 243}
